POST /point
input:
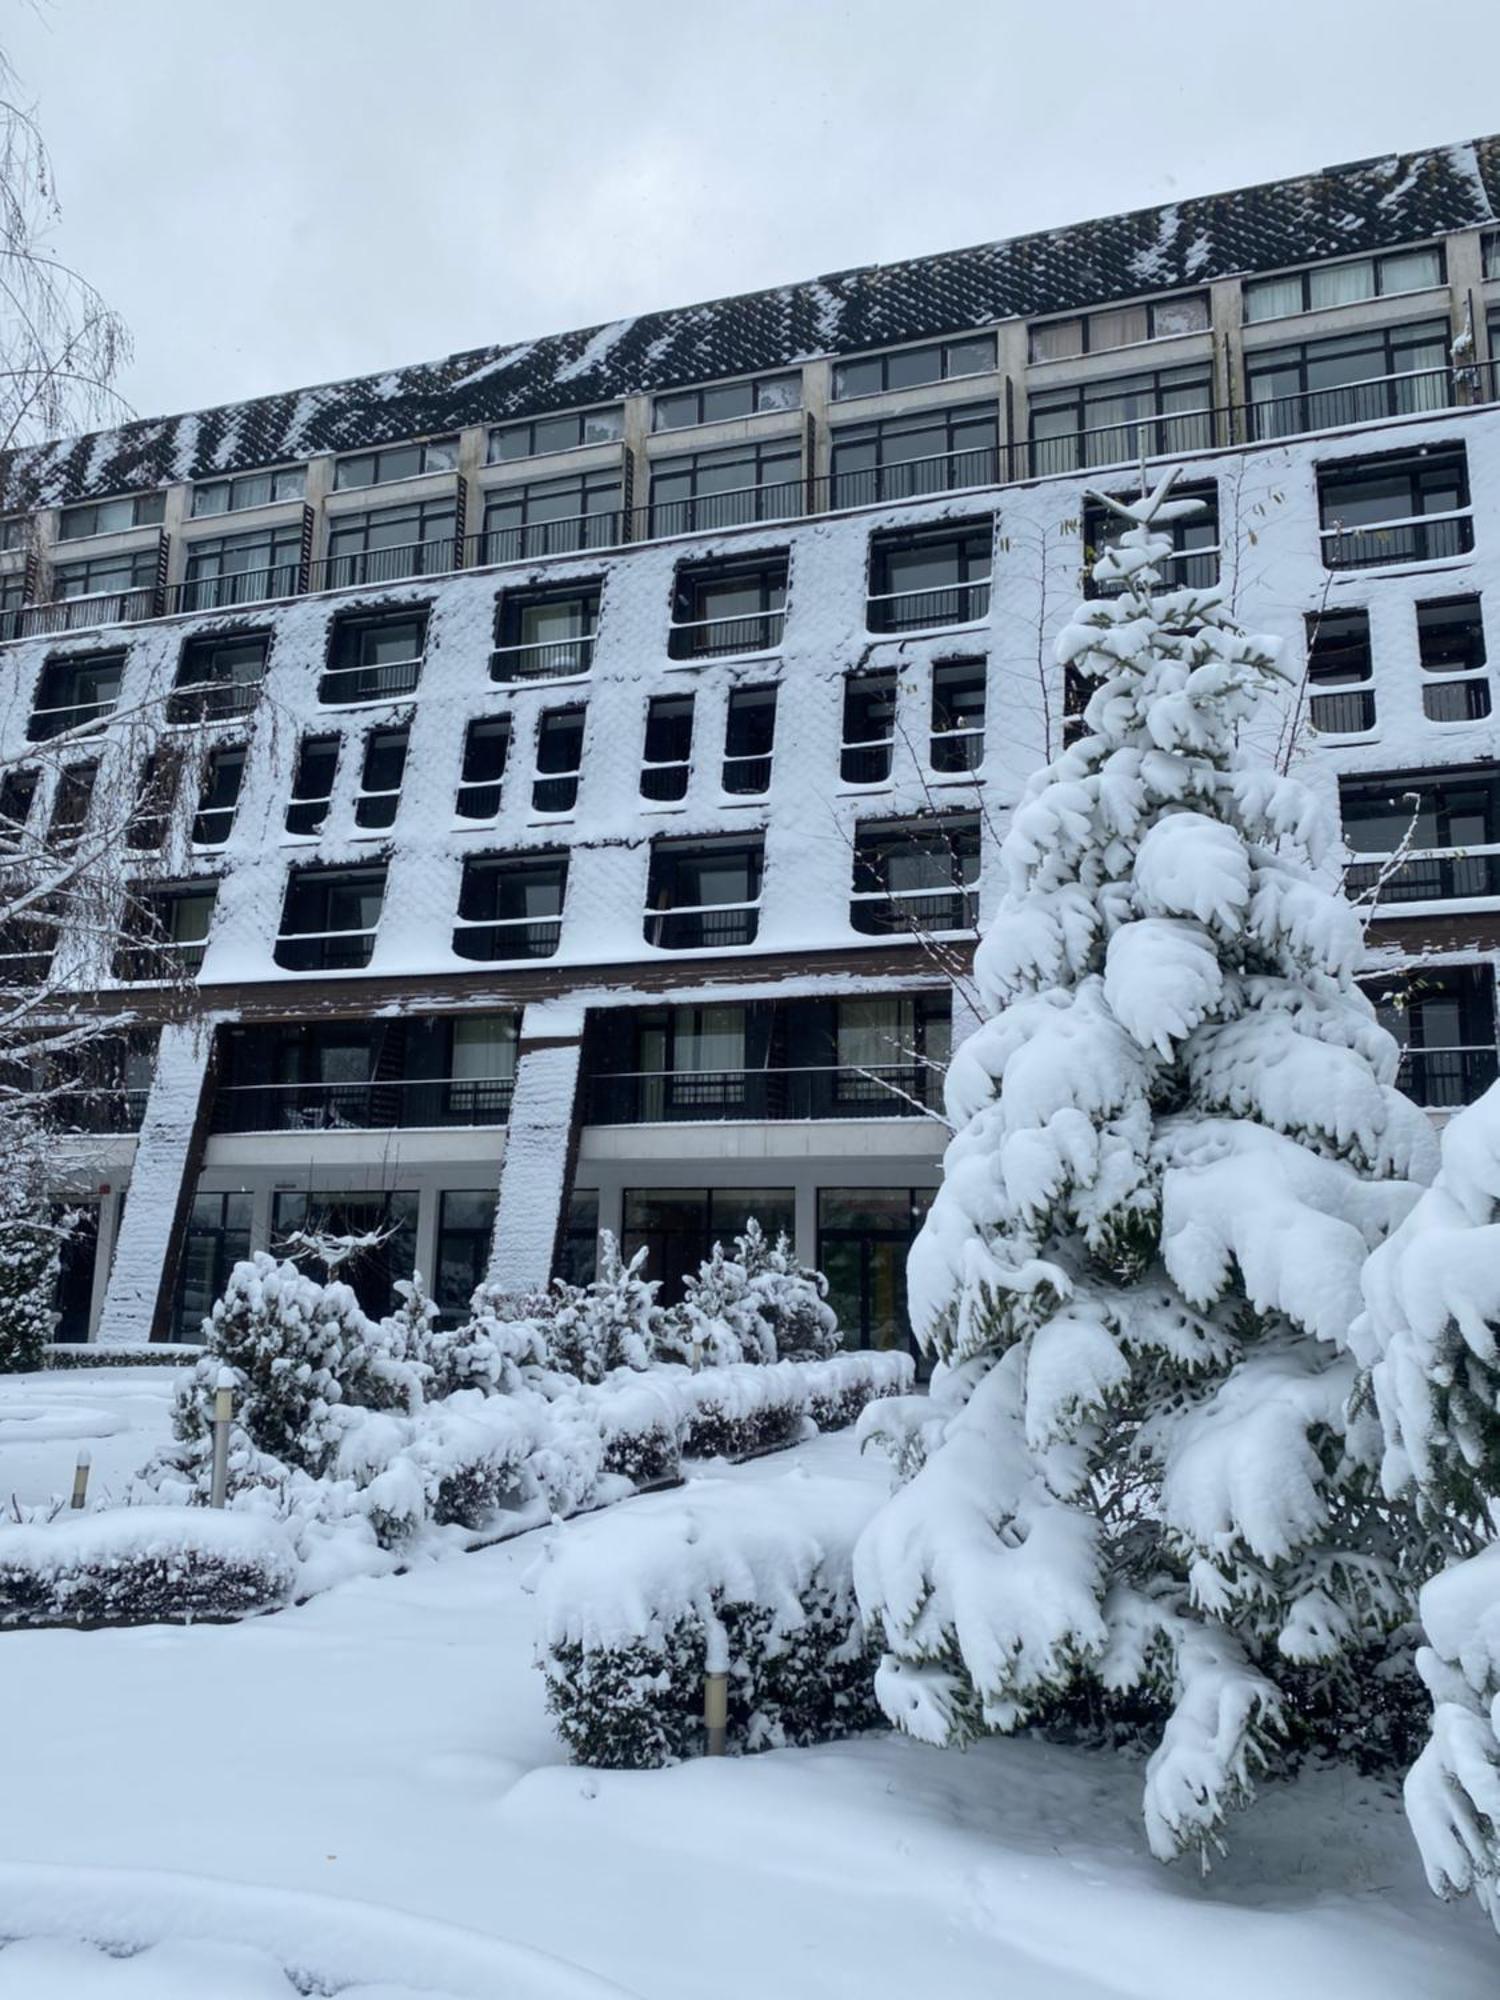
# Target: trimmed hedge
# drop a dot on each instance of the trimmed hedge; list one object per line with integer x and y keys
{"x": 142, "y": 1565}
{"x": 138, "y": 1354}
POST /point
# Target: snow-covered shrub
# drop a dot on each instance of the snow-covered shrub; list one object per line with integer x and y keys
{"x": 608, "y": 1324}
{"x": 134, "y": 1354}
{"x": 756, "y": 1303}
{"x": 463, "y": 1462}
{"x": 631, "y": 1603}
{"x": 793, "y": 1298}
{"x": 738, "y": 1412}
{"x": 1176, "y": 1139}
{"x": 640, "y": 1429}
{"x": 839, "y": 1389}
{"x": 28, "y": 1243}
{"x": 134, "y": 1565}
{"x": 498, "y": 1347}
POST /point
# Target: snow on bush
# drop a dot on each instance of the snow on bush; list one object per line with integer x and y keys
{"x": 609, "y": 1323}
{"x": 1431, "y": 1334}
{"x": 631, "y": 1606}
{"x": 133, "y": 1565}
{"x": 28, "y": 1242}
{"x": 1176, "y": 1139}
{"x": 754, "y": 1303}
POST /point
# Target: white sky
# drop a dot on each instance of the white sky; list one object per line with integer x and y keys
{"x": 295, "y": 190}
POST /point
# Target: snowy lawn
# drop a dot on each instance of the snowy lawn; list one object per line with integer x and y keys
{"x": 119, "y": 1415}
{"x": 368, "y": 1786}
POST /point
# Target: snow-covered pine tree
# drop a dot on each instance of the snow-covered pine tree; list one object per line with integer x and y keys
{"x": 1176, "y": 1139}
{"x": 794, "y": 1297}
{"x": 28, "y": 1241}
{"x": 610, "y": 1323}
{"x": 722, "y": 1319}
{"x": 1431, "y": 1332}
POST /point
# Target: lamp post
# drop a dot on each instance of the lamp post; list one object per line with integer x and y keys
{"x": 223, "y": 1415}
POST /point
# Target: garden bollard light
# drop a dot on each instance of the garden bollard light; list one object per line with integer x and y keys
{"x": 223, "y": 1412}
{"x": 81, "y": 1478}
{"x": 716, "y": 1689}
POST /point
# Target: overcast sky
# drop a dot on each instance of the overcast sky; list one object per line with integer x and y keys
{"x": 290, "y": 191}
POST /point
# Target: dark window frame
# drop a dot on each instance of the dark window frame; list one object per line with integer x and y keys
{"x": 380, "y": 453}
{"x": 886, "y": 356}
{"x": 527, "y": 426}
{"x": 324, "y": 952}
{"x": 752, "y": 384}
{"x": 1378, "y": 259}
{"x": 671, "y": 925}
{"x": 485, "y": 878}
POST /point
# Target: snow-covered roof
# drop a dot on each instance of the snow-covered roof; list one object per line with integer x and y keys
{"x": 1339, "y": 211}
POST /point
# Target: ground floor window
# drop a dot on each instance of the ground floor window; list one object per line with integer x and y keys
{"x": 580, "y": 1242}
{"x": 466, "y": 1224}
{"x": 679, "y": 1226}
{"x": 218, "y": 1238}
{"x": 372, "y": 1272}
{"x": 73, "y": 1295}
{"x": 863, "y": 1237}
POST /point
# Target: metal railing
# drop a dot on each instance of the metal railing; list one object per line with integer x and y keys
{"x": 713, "y": 638}
{"x": 866, "y": 763}
{"x": 1092, "y": 446}
{"x": 1350, "y": 713}
{"x": 1429, "y": 876}
{"x": 556, "y": 792}
{"x": 231, "y": 587}
{"x": 106, "y": 1108}
{"x": 389, "y": 565}
{"x": 1408, "y": 394}
{"x": 1416, "y": 538}
{"x": 212, "y": 701}
{"x": 389, "y": 682}
{"x": 655, "y": 1097}
{"x": 493, "y": 942}
{"x": 526, "y": 540}
{"x": 45, "y": 723}
{"x": 880, "y": 913}
{"x": 747, "y": 777}
{"x": 324, "y": 951}
{"x": 1445, "y": 1079}
{"x": 735, "y": 507}
{"x": 78, "y": 614}
{"x": 915, "y": 610}
{"x": 543, "y": 659}
{"x": 146, "y": 959}
{"x": 725, "y": 925}
{"x": 911, "y": 478}
{"x": 383, "y": 1105}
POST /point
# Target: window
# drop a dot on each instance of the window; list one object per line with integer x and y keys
{"x": 151, "y": 816}
{"x": 219, "y": 795}
{"x": 1338, "y": 658}
{"x": 166, "y": 930}
{"x": 1119, "y": 326}
{"x": 690, "y": 1063}
{"x": 466, "y": 1227}
{"x": 1450, "y": 645}
{"x": 957, "y": 715}
{"x": 1491, "y": 252}
{"x": 373, "y": 1274}
{"x": 916, "y": 876}
{"x": 899, "y": 458}
{"x": 869, "y": 727}
{"x": 239, "y": 569}
{"x": 75, "y": 694}
{"x": 678, "y": 1227}
{"x": 1101, "y": 423}
{"x": 932, "y": 578}
{"x": 217, "y": 676}
{"x": 722, "y": 608}
{"x": 397, "y": 461}
{"x": 70, "y": 804}
{"x": 111, "y": 517}
{"x": 666, "y": 760}
{"x": 551, "y": 517}
{"x": 13, "y": 532}
{"x": 511, "y": 906}
{"x": 721, "y": 401}
{"x": 312, "y": 784}
{"x": 217, "y": 1238}
{"x": 486, "y": 746}
{"x": 380, "y": 780}
{"x": 17, "y": 790}
{"x": 723, "y": 489}
{"x": 864, "y": 1236}
{"x": 749, "y": 737}
{"x": 703, "y": 895}
{"x": 481, "y": 1066}
{"x": 28, "y": 940}
{"x": 911, "y": 367}
{"x": 329, "y": 918}
{"x": 250, "y": 489}
{"x": 374, "y": 656}
{"x": 1444, "y": 1019}
{"x": 389, "y": 543}
{"x": 1194, "y": 562}
{"x": 890, "y": 1052}
{"x": 1453, "y": 825}
{"x": 559, "y": 753}
{"x": 567, "y": 431}
{"x": 1406, "y": 509}
{"x": 127, "y": 583}
{"x": 1324, "y": 285}
{"x": 545, "y": 634}
{"x": 1355, "y": 379}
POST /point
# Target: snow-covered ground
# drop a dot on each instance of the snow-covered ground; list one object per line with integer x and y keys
{"x": 367, "y": 1786}
{"x": 118, "y": 1415}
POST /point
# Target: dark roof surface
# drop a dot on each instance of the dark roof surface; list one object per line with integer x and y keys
{"x": 1368, "y": 205}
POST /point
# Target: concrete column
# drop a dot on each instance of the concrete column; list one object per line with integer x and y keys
{"x": 1464, "y": 254}
{"x": 539, "y": 1147}
{"x": 1227, "y": 315}
{"x": 148, "y": 1246}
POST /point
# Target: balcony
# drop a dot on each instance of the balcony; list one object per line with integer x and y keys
{"x": 1155, "y": 436}
{"x": 654, "y": 1097}
{"x": 914, "y": 478}
{"x": 375, "y": 1106}
{"x": 565, "y": 536}
{"x": 496, "y": 941}
{"x": 392, "y": 680}
{"x": 104, "y": 1110}
{"x": 716, "y": 638}
{"x": 723, "y": 927}
{"x": 1447, "y": 1079}
{"x": 1371, "y": 401}
{"x": 735, "y": 507}
{"x": 325, "y": 951}
{"x": 1414, "y": 538}
{"x": 1430, "y": 876}
{"x": 918, "y": 610}
{"x": 234, "y": 587}
{"x": 542, "y": 660}
{"x": 389, "y": 565}
{"x": 80, "y": 614}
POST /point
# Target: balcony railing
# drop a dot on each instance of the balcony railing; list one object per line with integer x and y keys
{"x": 45, "y": 723}
{"x": 1088, "y": 447}
{"x": 1379, "y": 396}
{"x": 1416, "y": 538}
{"x": 489, "y": 943}
{"x": 527, "y": 540}
{"x": 390, "y": 681}
{"x": 387, "y": 1105}
{"x": 913, "y": 478}
{"x": 212, "y": 701}
{"x": 714, "y": 638}
{"x": 1431, "y": 876}
{"x": 1447, "y": 1079}
{"x": 917, "y": 610}
{"x": 147, "y": 959}
{"x": 881, "y": 913}
{"x": 867, "y": 763}
{"x": 231, "y": 587}
{"x": 1351, "y": 713}
{"x": 325, "y": 951}
{"x": 543, "y": 660}
{"x": 391, "y": 565}
{"x": 80, "y": 614}
{"x": 735, "y": 507}
{"x": 725, "y": 926}
{"x": 104, "y": 1109}
{"x": 651, "y": 1097}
